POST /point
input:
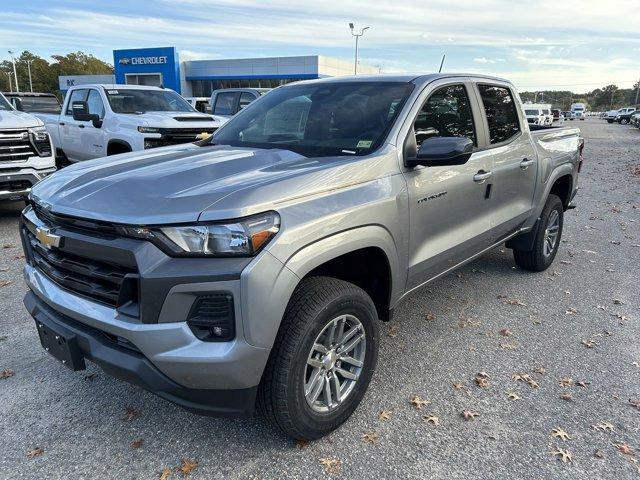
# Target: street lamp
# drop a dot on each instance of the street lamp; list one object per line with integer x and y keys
{"x": 29, "y": 62}
{"x": 15, "y": 74}
{"x": 357, "y": 35}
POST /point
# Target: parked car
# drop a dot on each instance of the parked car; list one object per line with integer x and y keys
{"x": 101, "y": 120}
{"x": 568, "y": 115}
{"x": 201, "y": 104}
{"x": 612, "y": 114}
{"x": 635, "y": 119}
{"x": 26, "y": 154}
{"x": 558, "y": 116}
{"x": 226, "y": 102}
{"x": 254, "y": 269}
{"x": 624, "y": 117}
{"x": 34, "y": 103}
{"x": 535, "y": 116}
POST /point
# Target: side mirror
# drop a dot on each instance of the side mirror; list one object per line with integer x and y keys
{"x": 441, "y": 151}
{"x": 17, "y": 103}
{"x": 81, "y": 113}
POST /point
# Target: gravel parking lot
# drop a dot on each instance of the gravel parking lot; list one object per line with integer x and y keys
{"x": 549, "y": 362}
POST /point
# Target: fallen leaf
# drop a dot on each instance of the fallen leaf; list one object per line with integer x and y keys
{"x": 541, "y": 370}
{"x": 8, "y": 245}
{"x": 385, "y": 415}
{"x": 526, "y": 378}
{"x": 4, "y": 283}
{"x": 598, "y": 454}
{"x": 625, "y": 449}
{"x": 617, "y": 302}
{"x": 565, "y": 262}
{"x": 394, "y": 329}
{"x": 571, "y": 311}
{"x": 566, "y": 396}
{"x": 508, "y": 346}
{"x": 463, "y": 387}
{"x": 137, "y": 443}
{"x": 589, "y": 343}
{"x": 131, "y": 413}
{"x": 562, "y": 454}
{"x": 418, "y": 402}
{"x": 301, "y": 444}
{"x": 482, "y": 382}
{"x": 35, "y": 452}
{"x": 513, "y": 301}
{"x": 582, "y": 383}
{"x": 430, "y": 317}
{"x": 603, "y": 426}
{"x": 469, "y": 415}
{"x": 560, "y": 433}
{"x": 565, "y": 381}
{"x": 331, "y": 465}
{"x": 371, "y": 437}
{"x": 635, "y": 404}
{"x": 6, "y": 373}
{"x": 165, "y": 474}
{"x": 432, "y": 419}
{"x": 187, "y": 466}
{"x": 505, "y": 332}
{"x": 90, "y": 377}
{"x": 512, "y": 396}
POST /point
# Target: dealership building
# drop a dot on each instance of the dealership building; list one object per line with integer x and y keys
{"x": 198, "y": 78}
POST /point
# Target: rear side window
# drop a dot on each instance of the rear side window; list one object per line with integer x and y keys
{"x": 79, "y": 95}
{"x": 225, "y": 103}
{"x": 245, "y": 99}
{"x": 502, "y": 115}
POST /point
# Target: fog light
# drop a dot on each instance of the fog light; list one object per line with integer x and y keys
{"x": 212, "y": 317}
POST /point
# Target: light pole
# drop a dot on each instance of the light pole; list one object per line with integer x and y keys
{"x": 15, "y": 74}
{"x": 357, "y": 35}
{"x": 29, "y": 62}
{"x": 10, "y": 84}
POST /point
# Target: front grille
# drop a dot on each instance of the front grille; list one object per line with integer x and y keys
{"x": 15, "y": 146}
{"x": 15, "y": 185}
{"x": 114, "y": 285}
{"x": 193, "y": 119}
{"x": 175, "y": 136}
{"x": 90, "y": 226}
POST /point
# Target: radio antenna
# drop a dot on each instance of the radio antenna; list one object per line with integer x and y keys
{"x": 442, "y": 63}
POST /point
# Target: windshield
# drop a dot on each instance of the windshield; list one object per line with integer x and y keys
{"x": 40, "y": 104}
{"x": 4, "y": 105}
{"x": 532, "y": 112}
{"x": 140, "y": 101}
{"x": 319, "y": 119}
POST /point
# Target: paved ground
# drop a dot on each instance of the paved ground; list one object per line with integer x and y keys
{"x": 487, "y": 318}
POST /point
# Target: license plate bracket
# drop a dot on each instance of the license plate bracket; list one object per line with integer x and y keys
{"x": 61, "y": 343}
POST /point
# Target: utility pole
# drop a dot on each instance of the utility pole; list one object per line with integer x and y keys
{"x": 15, "y": 73}
{"x": 611, "y": 104}
{"x": 637, "y": 91}
{"x": 357, "y": 35}
{"x": 10, "y": 83}
{"x": 29, "y": 62}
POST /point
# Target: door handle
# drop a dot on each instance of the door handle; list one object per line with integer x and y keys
{"x": 62, "y": 123}
{"x": 80, "y": 126}
{"x": 526, "y": 163}
{"x": 481, "y": 176}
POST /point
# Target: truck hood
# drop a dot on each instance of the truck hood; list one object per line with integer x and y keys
{"x": 16, "y": 119}
{"x": 178, "y": 183}
{"x": 178, "y": 120}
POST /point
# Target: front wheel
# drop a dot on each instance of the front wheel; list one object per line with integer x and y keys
{"x": 322, "y": 360}
{"x": 547, "y": 238}
{"x": 624, "y": 121}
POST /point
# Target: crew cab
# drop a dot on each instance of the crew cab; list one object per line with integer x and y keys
{"x": 226, "y": 102}
{"x": 102, "y": 120}
{"x": 26, "y": 154}
{"x": 33, "y": 102}
{"x": 255, "y": 268}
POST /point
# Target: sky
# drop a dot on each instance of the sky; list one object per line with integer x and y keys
{"x": 574, "y": 45}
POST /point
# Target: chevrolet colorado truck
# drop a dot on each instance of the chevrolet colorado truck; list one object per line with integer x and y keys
{"x": 101, "y": 120}
{"x": 253, "y": 269}
{"x": 25, "y": 152}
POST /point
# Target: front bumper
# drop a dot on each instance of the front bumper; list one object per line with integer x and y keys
{"x": 133, "y": 367}
{"x": 16, "y": 185}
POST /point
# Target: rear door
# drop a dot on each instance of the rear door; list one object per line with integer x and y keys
{"x": 70, "y": 129}
{"x": 448, "y": 210}
{"x": 514, "y": 158}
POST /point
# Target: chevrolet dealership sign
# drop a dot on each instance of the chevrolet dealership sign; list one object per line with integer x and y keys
{"x": 161, "y": 60}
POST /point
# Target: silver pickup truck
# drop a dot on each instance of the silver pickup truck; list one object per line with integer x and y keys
{"x": 253, "y": 269}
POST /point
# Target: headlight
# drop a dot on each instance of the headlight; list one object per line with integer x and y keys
{"x": 148, "y": 130}
{"x": 241, "y": 238}
{"x": 40, "y": 141}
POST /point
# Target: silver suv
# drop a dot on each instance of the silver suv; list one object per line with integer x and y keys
{"x": 254, "y": 268}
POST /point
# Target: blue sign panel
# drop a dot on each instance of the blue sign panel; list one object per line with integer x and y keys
{"x": 148, "y": 66}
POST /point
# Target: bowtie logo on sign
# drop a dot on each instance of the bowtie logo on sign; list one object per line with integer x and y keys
{"x": 162, "y": 60}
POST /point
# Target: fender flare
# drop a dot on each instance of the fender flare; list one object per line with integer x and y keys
{"x": 117, "y": 141}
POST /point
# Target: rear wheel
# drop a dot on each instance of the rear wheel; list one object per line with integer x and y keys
{"x": 322, "y": 360}
{"x": 547, "y": 238}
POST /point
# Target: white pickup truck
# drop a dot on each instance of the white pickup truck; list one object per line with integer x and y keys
{"x": 101, "y": 120}
{"x": 25, "y": 152}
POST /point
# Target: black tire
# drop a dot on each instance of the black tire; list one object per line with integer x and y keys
{"x": 624, "y": 121}
{"x": 535, "y": 260}
{"x": 313, "y": 305}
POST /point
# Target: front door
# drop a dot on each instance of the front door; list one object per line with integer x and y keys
{"x": 70, "y": 129}
{"x": 448, "y": 208}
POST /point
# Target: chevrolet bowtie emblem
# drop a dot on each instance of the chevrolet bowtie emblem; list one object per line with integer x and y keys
{"x": 203, "y": 135}
{"x": 46, "y": 238}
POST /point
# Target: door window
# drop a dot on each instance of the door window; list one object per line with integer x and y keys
{"x": 447, "y": 113}
{"x": 76, "y": 96}
{"x": 502, "y": 115}
{"x": 94, "y": 103}
{"x": 225, "y": 103}
{"x": 245, "y": 99}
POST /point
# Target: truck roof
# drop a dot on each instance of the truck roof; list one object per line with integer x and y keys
{"x": 27, "y": 94}
{"x": 417, "y": 79}
{"x": 118, "y": 86}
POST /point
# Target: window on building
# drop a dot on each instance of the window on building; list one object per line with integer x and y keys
{"x": 502, "y": 115}
{"x": 447, "y": 113}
